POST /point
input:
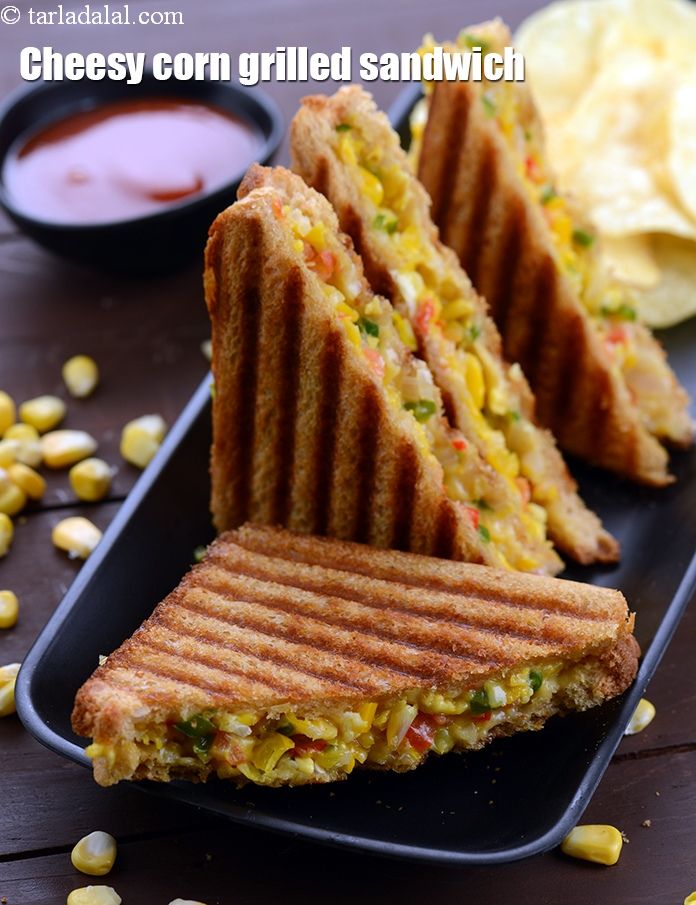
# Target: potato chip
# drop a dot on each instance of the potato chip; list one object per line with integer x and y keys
{"x": 682, "y": 156}
{"x": 632, "y": 261}
{"x": 673, "y": 299}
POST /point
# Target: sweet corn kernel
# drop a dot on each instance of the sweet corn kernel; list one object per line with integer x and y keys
{"x": 12, "y": 499}
{"x": 475, "y": 381}
{"x": 77, "y": 536}
{"x": 594, "y": 842}
{"x": 44, "y": 413}
{"x": 94, "y": 854}
{"x": 643, "y": 715}
{"x": 8, "y": 452}
{"x": 28, "y": 480}
{"x": 8, "y": 678}
{"x": 690, "y": 899}
{"x": 207, "y": 349}
{"x": 63, "y": 448}
{"x": 9, "y": 609}
{"x": 28, "y": 448}
{"x": 141, "y": 438}
{"x": 90, "y": 479}
{"x": 186, "y": 902}
{"x": 94, "y": 895}
{"x": 7, "y": 411}
{"x": 6, "y": 533}
{"x": 81, "y": 376}
{"x": 21, "y": 432}
{"x": 457, "y": 309}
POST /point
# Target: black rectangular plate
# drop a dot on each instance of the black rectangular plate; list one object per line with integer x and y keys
{"x": 447, "y": 811}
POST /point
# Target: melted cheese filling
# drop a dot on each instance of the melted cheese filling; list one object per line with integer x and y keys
{"x": 292, "y": 747}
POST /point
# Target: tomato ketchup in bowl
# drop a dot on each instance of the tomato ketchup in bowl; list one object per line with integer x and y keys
{"x": 126, "y": 179}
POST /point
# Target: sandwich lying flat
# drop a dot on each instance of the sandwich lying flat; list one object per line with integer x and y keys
{"x": 601, "y": 380}
{"x": 323, "y": 419}
{"x": 287, "y": 659}
{"x": 345, "y": 148}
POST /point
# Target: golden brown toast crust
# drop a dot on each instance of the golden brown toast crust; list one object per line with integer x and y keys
{"x": 302, "y": 435}
{"x": 270, "y": 620}
{"x": 486, "y": 215}
{"x": 314, "y": 145}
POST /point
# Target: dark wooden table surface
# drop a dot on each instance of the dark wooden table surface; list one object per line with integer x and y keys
{"x": 146, "y": 336}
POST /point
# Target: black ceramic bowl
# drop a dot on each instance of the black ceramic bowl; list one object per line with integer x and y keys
{"x": 154, "y": 243}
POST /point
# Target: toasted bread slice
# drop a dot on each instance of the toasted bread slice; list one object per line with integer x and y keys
{"x": 286, "y": 659}
{"x": 323, "y": 420}
{"x": 602, "y": 382}
{"x": 338, "y": 145}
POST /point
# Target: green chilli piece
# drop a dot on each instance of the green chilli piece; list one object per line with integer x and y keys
{"x": 285, "y": 728}
{"x": 484, "y": 533}
{"x": 513, "y": 415}
{"x": 472, "y": 41}
{"x": 343, "y": 127}
{"x": 199, "y": 553}
{"x": 624, "y": 312}
{"x": 389, "y": 226}
{"x": 479, "y": 702}
{"x": 583, "y": 238}
{"x": 488, "y": 105}
{"x": 474, "y": 332}
{"x": 198, "y": 726}
{"x": 535, "y": 680}
{"x": 548, "y": 193}
{"x": 369, "y": 327}
{"x": 421, "y": 410}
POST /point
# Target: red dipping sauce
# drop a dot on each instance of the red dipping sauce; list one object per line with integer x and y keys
{"x": 127, "y": 159}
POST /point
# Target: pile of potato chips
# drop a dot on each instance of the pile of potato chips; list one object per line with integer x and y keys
{"x": 615, "y": 81}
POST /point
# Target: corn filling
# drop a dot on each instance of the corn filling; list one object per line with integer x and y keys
{"x": 609, "y": 305}
{"x": 385, "y": 339}
{"x": 508, "y": 441}
{"x": 295, "y": 747}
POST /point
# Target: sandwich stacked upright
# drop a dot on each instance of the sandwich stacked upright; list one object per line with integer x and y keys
{"x": 323, "y": 419}
{"x": 601, "y": 380}
{"x": 285, "y": 659}
{"x": 345, "y": 148}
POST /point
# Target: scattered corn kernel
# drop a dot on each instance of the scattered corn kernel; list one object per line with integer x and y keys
{"x": 66, "y": 447}
{"x": 141, "y": 438}
{"x": 186, "y": 902}
{"x": 77, "y": 536}
{"x": 207, "y": 349}
{"x": 94, "y": 895}
{"x": 44, "y": 413}
{"x": 90, "y": 479}
{"x": 9, "y": 609}
{"x": 7, "y": 411}
{"x": 81, "y": 376}
{"x": 94, "y": 854}
{"x": 12, "y": 499}
{"x": 8, "y": 452}
{"x": 690, "y": 899}
{"x": 594, "y": 842}
{"x": 8, "y": 678}
{"x": 27, "y": 446}
{"x": 643, "y": 715}
{"x": 28, "y": 480}
{"x": 6, "y": 533}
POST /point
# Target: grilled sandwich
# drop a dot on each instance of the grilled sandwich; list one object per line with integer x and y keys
{"x": 346, "y": 148}
{"x": 284, "y": 659}
{"x": 601, "y": 380}
{"x": 323, "y": 419}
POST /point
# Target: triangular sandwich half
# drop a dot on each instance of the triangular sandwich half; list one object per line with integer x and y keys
{"x": 323, "y": 420}
{"x": 346, "y": 148}
{"x": 602, "y": 382}
{"x": 285, "y": 659}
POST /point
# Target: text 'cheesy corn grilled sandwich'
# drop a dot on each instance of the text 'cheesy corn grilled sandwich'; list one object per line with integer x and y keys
{"x": 288, "y": 659}
{"x": 324, "y": 421}
{"x": 346, "y": 148}
{"x": 601, "y": 380}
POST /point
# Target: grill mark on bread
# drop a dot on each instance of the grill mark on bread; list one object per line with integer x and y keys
{"x": 502, "y": 298}
{"x": 404, "y": 491}
{"x": 331, "y": 373}
{"x": 247, "y": 349}
{"x": 537, "y": 320}
{"x": 457, "y": 114}
{"x": 471, "y": 241}
{"x": 288, "y": 384}
{"x": 369, "y": 426}
{"x": 333, "y": 609}
{"x": 445, "y": 531}
{"x": 365, "y": 584}
{"x": 568, "y": 384}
